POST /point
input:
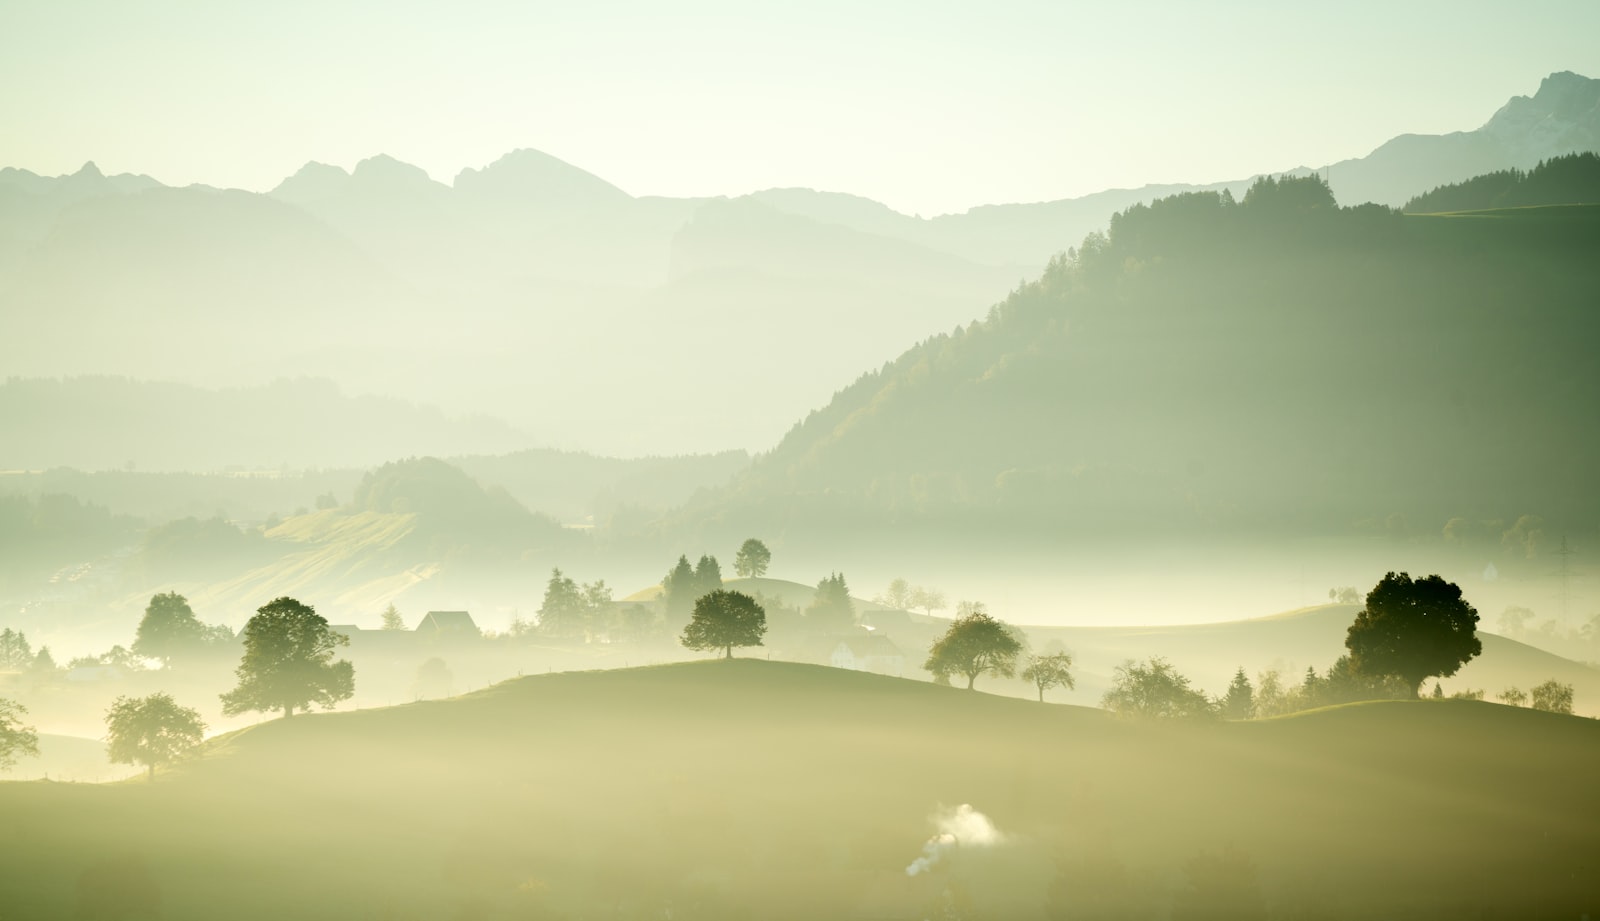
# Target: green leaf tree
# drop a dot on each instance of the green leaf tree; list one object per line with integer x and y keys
{"x": 1413, "y": 630}
{"x": 724, "y": 620}
{"x": 975, "y": 644}
{"x": 752, "y": 559}
{"x": 1552, "y": 697}
{"x": 831, "y": 609}
{"x": 564, "y": 613}
{"x": 15, "y": 738}
{"x": 15, "y": 652}
{"x": 1050, "y": 671}
{"x": 288, "y": 662}
{"x": 898, "y": 595}
{"x": 1240, "y": 701}
{"x": 151, "y": 731}
{"x": 168, "y": 628}
{"x": 1154, "y": 689}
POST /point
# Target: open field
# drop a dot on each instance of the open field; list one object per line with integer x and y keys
{"x": 765, "y": 789}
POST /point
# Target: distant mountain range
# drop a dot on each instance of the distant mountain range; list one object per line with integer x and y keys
{"x": 539, "y": 293}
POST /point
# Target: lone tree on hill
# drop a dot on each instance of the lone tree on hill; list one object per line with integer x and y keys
{"x": 15, "y": 738}
{"x": 169, "y": 628}
{"x": 974, "y": 645}
{"x": 752, "y": 559}
{"x": 1413, "y": 630}
{"x": 288, "y": 662}
{"x": 723, "y": 620}
{"x": 150, "y": 731}
{"x": 1051, "y": 671}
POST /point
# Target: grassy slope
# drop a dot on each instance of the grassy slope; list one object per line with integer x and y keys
{"x": 762, "y": 788}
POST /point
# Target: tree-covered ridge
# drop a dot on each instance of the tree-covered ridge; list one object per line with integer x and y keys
{"x": 1570, "y": 180}
{"x": 1276, "y": 361}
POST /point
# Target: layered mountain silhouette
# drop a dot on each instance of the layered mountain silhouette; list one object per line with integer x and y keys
{"x": 534, "y": 291}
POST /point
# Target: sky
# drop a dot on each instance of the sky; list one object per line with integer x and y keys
{"x": 927, "y": 106}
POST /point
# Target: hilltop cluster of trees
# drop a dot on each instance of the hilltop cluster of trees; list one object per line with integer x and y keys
{"x": 1566, "y": 180}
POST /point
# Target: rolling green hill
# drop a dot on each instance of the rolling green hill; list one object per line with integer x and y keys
{"x": 761, "y": 789}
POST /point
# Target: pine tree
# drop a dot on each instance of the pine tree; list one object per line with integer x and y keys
{"x": 1239, "y": 703}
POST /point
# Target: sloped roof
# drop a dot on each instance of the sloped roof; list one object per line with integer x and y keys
{"x": 875, "y": 645}
{"x": 447, "y": 622}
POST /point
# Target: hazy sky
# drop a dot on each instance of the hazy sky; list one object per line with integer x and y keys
{"x": 928, "y": 106}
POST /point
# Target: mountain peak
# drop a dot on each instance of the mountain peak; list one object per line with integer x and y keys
{"x": 527, "y": 173}
{"x": 88, "y": 171}
{"x": 389, "y": 171}
{"x": 312, "y": 182}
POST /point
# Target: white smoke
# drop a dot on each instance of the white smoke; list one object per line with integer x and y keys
{"x": 960, "y": 827}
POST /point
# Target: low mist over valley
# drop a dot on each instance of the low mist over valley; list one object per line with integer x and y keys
{"x": 691, "y": 539}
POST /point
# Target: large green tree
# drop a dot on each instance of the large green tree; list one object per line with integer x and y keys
{"x": 151, "y": 731}
{"x": 1154, "y": 689}
{"x": 1413, "y": 630}
{"x": 15, "y": 738}
{"x": 752, "y": 559}
{"x": 288, "y": 662}
{"x": 724, "y": 620}
{"x": 169, "y": 628}
{"x": 975, "y": 644}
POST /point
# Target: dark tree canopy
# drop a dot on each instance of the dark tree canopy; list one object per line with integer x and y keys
{"x": 752, "y": 559}
{"x": 723, "y": 620}
{"x": 169, "y": 628}
{"x": 151, "y": 731}
{"x": 1413, "y": 630}
{"x": 288, "y": 662}
{"x": 974, "y": 645}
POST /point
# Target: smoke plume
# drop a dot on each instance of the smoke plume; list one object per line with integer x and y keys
{"x": 960, "y": 827}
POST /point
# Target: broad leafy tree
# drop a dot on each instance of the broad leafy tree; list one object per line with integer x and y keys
{"x": 151, "y": 731}
{"x": 752, "y": 559}
{"x": 168, "y": 628}
{"x": 1050, "y": 671}
{"x": 974, "y": 645}
{"x": 288, "y": 662}
{"x": 724, "y": 620}
{"x": 1154, "y": 689}
{"x": 898, "y": 595}
{"x": 15, "y": 738}
{"x": 1552, "y": 696}
{"x": 1413, "y": 630}
{"x": 927, "y": 599}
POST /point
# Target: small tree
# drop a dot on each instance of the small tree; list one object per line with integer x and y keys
{"x": 1513, "y": 697}
{"x": 723, "y": 620}
{"x": 1240, "y": 701}
{"x": 392, "y": 619}
{"x": 15, "y": 652}
{"x": 563, "y": 613}
{"x": 15, "y": 738}
{"x": 288, "y": 662}
{"x": 150, "y": 731}
{"x": 898, "y": 596}
{"x": 1413, "y": 630}
{"x": 831, "y": 609}
{"x": 168, "y": 628}
{"x": 974, "y": 645}
{"x": 1154, "y": 689}
{"x": 928, "y": 599}
{"x": 1050, "y": 671}
{"x": 1552, "y": 697}
{"x": 752, "y": 559}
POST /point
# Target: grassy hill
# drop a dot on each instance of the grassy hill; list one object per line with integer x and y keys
{"x": 763, "y": 789}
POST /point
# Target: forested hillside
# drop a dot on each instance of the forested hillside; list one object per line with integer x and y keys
{"x": 1573, "y": 179}
{"x": 1276, "y": 364}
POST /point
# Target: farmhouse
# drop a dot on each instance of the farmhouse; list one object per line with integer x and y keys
{"x": 875, "y": 653}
